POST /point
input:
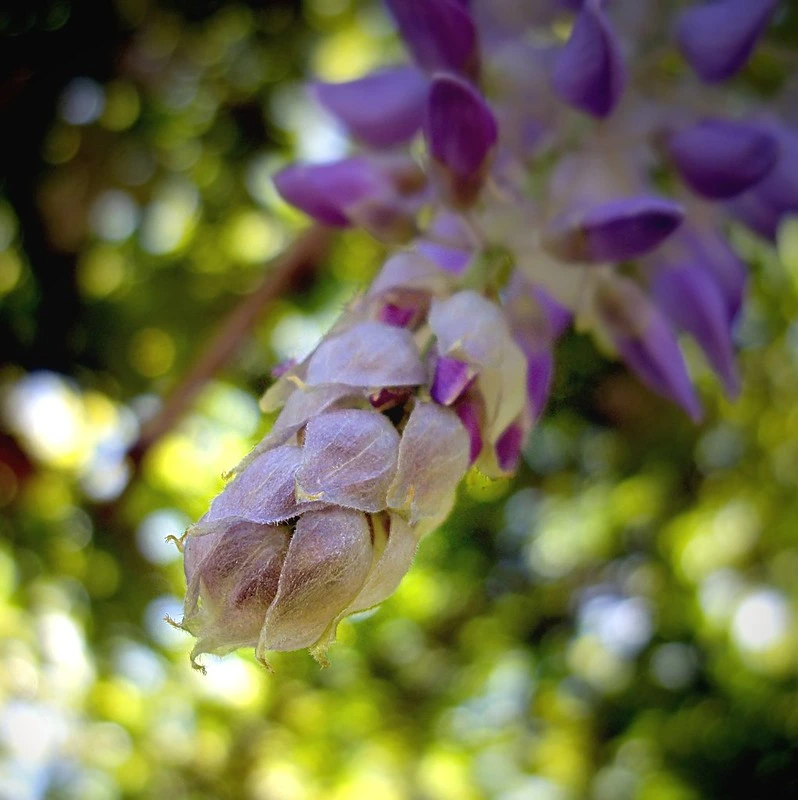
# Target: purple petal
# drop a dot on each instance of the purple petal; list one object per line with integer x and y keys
{"x": 755, "y": 211}
{"x": 393, "y": 564}
{"x": 559, "y": 316}
{"x": 302, "y": 404}
{"x": 690, "y": 299}
{"x": 508, "y": 447}
{"x": 717, "y": 38}
{"x": 461, "y": 133}
{"x": 589, "y": 72}
{"x": 324, "y": 191}
{"x": 763, "y": 207}
{"x": 537, "y": 321}
{"x": 469, "y": 323}
{"x": 720, "y": 159}
{"x": 472, "y": 328}
{"x": 433, "y": 457}
{"x": 447, "y": 244}
{"x": 326, "y": 566}
{"x": 383, "y": 109}
{"x": 450, "y": 228}
{"x": 539, "y": 376}
{"x": 262, "y": 492}
{"x": 398, "y": 316}
{"x": 536, "y": 318}
{"x": 780, "y": 187}
{"x": 452, "y": 378}
{"x": 408, "y": 271}
{"x": 370, "y": 355}
{"x": 232, "y": 578}
{"x": 645, "y": 341}
{"x": 469, "y": 412}
{"x": 439, "y": 33}
{"x": 450, "y": 259}
{"x": 709, "y": 251}
{"x": 614, "y": 231}
{"x": 348, "y": 459}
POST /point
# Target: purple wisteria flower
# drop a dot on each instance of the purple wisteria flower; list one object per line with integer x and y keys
{"x": 613, "y": 231}
{"x": 717, "y": 38}
{"x": 645, "y": 340}
{"x": 509, "y": 218}
{"x": 720, "y": 159}
{"x": 765, "y": 205}
{"x": 323, "y": 517}
{"x": 440, "y": 34}
{"x": 589, "y": 72}
{"x": 383, "y": 109}
{"x": 461, "y": 133}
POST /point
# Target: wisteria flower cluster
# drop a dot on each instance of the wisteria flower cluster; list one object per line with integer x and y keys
{"x": 564, "y": 180}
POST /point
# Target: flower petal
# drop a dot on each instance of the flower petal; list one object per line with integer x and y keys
{"x": 765, "y": 206}
{"x": 710, "y": 252}
{"x": 645, "y": 341}
{"x": 394, "y": 545}
{"x": 613, "y": 231}
{"x": 472, "y": 328}
{"x": 470, "y": 411}
{"x": 439, "y": 33}
{"x": 717, "y": 38}
{"x": 348, "y": 459}
{"x": 326, "y": 566}
{"x": 369, "y": 354}
{"x": 306, "y": 402}
{"x": 232, "y": 578}
{"x": 540, "y": 374}
{"x": 398, "y": 543}
{"x": 691, "y": 300}
{"x": 407, "y": 270}
{"x": 433, "y": 457}
{"x": 720, "y": 159}
{"x": 262, "y": 492}
{"x": 589, "y": 72}
{"x": 461, "y": 133}
{"x": 324, "y": 191}
{"x": 508, "y": 447}
{"x": 383, "y": 109}
{"x": 452, "y": 378}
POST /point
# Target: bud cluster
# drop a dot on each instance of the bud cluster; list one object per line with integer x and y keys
{"x": 538, "y": 204}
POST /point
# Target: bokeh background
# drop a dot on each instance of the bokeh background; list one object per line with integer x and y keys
{"x": 620, "y": 621}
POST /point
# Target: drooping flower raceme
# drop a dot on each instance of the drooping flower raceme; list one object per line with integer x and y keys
{"x": 564, "y": 181}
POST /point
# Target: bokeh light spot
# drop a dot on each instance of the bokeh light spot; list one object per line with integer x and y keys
{"x": 10, "y": 271}
{"x": 152, "y": 352}
{"x": 251, "y": 238}
{"x": 761, "y": 620}
{"x": 101, "y": 271}
{"x": 82, "y": 101}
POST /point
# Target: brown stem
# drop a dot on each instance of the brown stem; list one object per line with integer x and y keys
{"x": 301, "y": 257}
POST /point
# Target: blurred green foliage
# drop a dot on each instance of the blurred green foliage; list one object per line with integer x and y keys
{"x": 620, "y": 621}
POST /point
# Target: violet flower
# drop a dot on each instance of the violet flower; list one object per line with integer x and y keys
{"x": 613, "y": 231}
{"x": 720, "y": 159}
{"x": 354, "y": 191}
{"x": 645, "y": 341}
{"x": 461, "y": 133}
{"x": 717, "y": 38}
{"x": 589, "y": 72}
{"x": 517, "y": 219}
{"x": 440, "y": 34}
{"x": 383, "y": 109}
